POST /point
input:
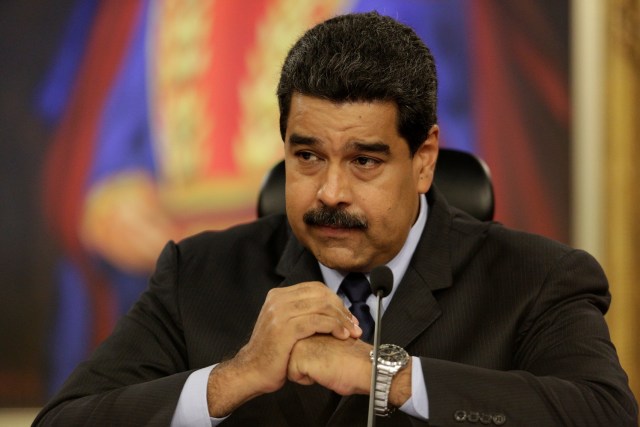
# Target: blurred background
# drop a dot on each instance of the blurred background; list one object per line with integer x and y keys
{"x": 124, "y": 124}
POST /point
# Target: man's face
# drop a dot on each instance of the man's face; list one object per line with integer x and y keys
{"x": 352, "y": 188}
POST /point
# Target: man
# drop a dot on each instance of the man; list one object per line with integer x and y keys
{"x": 249, "y": 326}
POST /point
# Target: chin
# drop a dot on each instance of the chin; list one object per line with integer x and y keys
{"x": 342, "y": 261}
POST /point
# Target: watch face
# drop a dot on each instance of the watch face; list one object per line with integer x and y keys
{"x": 392, "y": 353}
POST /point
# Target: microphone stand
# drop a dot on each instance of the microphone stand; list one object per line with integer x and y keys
{"x": 371, "y": 418}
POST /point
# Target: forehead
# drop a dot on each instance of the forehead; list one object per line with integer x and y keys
{"x": 325, "y": 120}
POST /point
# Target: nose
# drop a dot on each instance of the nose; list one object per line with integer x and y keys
{"x": 335, "y": 188}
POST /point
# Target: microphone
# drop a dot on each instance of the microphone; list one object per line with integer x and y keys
{"x": 381, "y": 279}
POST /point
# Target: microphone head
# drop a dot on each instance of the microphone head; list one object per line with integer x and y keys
{"x": 381, "y": 280}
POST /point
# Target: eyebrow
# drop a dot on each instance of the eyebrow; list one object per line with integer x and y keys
{"x": 369, "y": 147}
{"x": 296, "y": 139}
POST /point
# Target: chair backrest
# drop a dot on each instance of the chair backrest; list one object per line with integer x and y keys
{"x": 462, "y": 177}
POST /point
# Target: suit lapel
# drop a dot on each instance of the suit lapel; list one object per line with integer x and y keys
{"x": 297, "y": 264}
{"x": 412, "y": 310}
{"x": 414, "y": 307}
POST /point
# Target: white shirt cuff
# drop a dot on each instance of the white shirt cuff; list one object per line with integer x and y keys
{"x": 418, "y": 404}
{"x": 192, "y": 408}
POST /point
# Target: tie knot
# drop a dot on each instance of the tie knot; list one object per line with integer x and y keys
{"x": 356, "y": 287}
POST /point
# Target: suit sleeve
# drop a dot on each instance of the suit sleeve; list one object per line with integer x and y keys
{"x": 565, "y": 368}
{"x": 135, "y": 377}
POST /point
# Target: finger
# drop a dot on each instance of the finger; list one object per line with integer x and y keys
{"x": 322, "y": 307}
{"x": 296, "y": 370}
{"x": 306, "y": 290}
{"x": 311, "y": 297}
{"x": 311, "y": 324}
{"x": 293, "y": 329}
{"x": 297, "y": 377}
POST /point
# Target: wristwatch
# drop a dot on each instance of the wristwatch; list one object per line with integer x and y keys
{"x": 391, "y": 358}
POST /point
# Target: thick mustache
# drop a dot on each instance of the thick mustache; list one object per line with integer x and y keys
{"x": 334, "y": 217}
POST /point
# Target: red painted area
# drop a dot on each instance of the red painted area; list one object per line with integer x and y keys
{"x": 234, "y": 29}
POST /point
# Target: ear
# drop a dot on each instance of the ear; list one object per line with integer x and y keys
{"x": 424, "y": 160}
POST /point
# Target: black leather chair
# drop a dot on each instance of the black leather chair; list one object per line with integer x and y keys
{"x": 462, "y": 177}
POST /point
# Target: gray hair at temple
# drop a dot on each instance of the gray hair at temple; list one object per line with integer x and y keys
{"x": 364, "y": 57}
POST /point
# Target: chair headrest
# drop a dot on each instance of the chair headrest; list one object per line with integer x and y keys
{"x": 462, "y": 177}
{"x": 271, "y": 196}
{"x": 465, "y": 181}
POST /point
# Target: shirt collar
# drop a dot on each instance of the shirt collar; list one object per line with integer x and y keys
{"x": 398, "y": 265}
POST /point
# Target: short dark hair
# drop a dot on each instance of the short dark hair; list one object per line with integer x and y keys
{"x": 364, "y": 57}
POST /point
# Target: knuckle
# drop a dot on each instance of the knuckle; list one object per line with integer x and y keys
{"x": 300, "y": 304}
{"x": 270, "y": 311}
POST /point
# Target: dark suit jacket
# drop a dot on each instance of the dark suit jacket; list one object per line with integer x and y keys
{"x": 509, "y": 327}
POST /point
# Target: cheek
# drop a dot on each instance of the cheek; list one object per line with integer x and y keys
{"x": 393, "y": 213}
{"x": 393, "y": 219}
{"x": 298, "y": 199}
{"x": 383, "y": 214}
{"x": 291, "y": 203}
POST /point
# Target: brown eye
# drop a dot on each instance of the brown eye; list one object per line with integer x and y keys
{"x": 306, "y": 156}
{"x": 366, "y": 161}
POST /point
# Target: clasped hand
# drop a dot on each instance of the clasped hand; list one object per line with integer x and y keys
{"x": 303, "y": 333}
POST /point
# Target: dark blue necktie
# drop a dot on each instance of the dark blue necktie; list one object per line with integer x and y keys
{"x": 356, "y": 287}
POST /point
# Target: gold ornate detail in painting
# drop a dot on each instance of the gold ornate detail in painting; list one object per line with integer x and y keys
{"x": 216, "y": 129}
